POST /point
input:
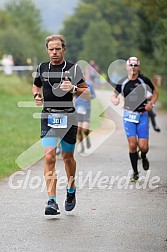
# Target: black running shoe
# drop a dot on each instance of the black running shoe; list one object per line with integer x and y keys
{"x": 135, "y": 177}
{"x": 156, "y": 128}
{"x": 145, "y": 164}
{"x": 70, "y": 201}
{"x": 52, "y": 208}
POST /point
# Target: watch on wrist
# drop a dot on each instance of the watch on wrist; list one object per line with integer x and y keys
{"x": 74, "y": 89}
{"x": 35, "y": 95}
{"x": 152, "y": 104}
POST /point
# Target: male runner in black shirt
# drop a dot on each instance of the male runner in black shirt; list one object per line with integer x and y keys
{"x": 55, "y": 83}
{"x": 139, "y": 97}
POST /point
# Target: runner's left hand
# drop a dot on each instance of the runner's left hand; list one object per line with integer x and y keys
{"x": 148, "y": 106}
{"x": 66, "y": 85}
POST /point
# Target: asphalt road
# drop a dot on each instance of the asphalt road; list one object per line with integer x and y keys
{"x": 112, "y": 214}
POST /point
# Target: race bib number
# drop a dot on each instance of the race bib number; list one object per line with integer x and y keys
{"x": 81, "y": 110}
{"x": 131, "y": 116}
{"x": 57, "y": 121}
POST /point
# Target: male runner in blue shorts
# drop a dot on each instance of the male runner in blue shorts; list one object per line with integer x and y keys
{"x": 55, "y": 83}
{"x": 139, "y": 97}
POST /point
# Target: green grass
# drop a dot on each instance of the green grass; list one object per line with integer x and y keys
{"x": 19, "y": 130}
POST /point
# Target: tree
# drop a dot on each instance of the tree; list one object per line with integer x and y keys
{"x": 109, "y": 11}
{"x": 152, "y": 36}
{"x": 75, "y": 27}
{"x": 136, "y": 28}
{"x": 98, "y": 44}
{"x": 27, "y": 40}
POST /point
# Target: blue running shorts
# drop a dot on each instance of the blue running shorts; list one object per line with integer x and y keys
{"x": 52, "y": 141}
{"x": 140, "y": 129}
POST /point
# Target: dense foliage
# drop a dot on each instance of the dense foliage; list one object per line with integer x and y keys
{"x": 114, "y": 29}
{"x": 100, "y": 30}
{"x": 21, "y": 33}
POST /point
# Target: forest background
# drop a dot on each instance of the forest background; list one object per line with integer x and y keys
{"x": 100, "y": 30}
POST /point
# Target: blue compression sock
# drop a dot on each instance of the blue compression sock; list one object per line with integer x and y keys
{"x": 71, "y": 190}
{"x": 52, "y": 198}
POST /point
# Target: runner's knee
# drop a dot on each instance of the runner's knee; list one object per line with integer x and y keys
{"x": 144, "y": 148}
{"x": 50, "y": 158}
{"x": 68, "y": 159}
{"x": 132, "y": 147}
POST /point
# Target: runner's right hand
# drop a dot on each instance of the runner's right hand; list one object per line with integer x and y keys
{"x": 39, "y": 100}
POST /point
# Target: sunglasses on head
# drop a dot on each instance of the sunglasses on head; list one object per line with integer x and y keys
{"x": 135, "y": 65}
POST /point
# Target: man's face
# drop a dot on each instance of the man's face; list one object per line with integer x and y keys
{"x": 56, "y": 52}
{"x": 133, "y": 69}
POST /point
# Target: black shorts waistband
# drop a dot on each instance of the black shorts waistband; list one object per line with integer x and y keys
{"x": 52, "y": 110}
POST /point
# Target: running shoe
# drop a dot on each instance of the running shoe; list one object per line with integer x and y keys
{"x": 135, "y": 177}
{"x": 156, "y": 128}
{"x": 52, "y": 208}
{"x": 70, "y": 201}
{"x": 145, "y": 164}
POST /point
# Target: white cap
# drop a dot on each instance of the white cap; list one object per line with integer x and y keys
{"x": 133, "y": 60}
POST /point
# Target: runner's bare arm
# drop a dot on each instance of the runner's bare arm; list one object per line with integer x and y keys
{"x": 115, "y": 98}
{"x": 37, "y": 93}
{"x": 152, "y": 101}
{"x": 83, "y": 91}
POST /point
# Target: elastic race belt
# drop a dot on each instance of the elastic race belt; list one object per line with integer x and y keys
{"x": 67, "y": 110}
{"x": 139, "y": 112}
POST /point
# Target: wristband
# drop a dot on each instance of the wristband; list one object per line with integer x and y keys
{"x": 152, "y": 104}
{"x": 74, "y": 90}
{"x": 35, "y": 95}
